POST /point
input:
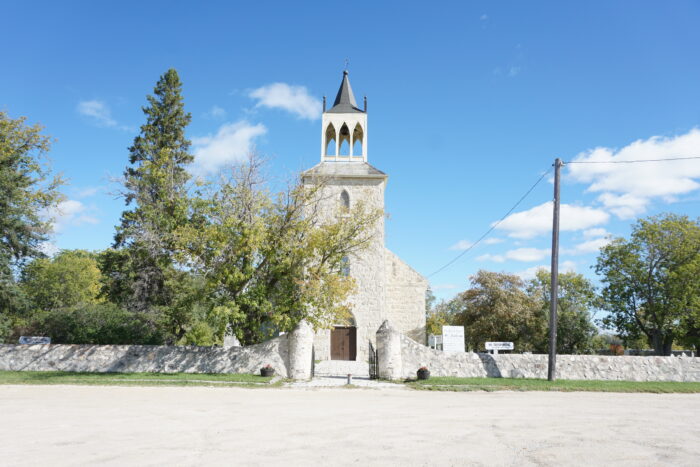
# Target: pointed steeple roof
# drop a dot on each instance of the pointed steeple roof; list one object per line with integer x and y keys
{"x": 345, "y": 100}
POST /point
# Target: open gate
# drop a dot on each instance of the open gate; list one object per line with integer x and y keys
{"x": 373, "y": 366}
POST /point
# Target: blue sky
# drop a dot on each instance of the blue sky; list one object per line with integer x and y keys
{"x": 469, "y": 102}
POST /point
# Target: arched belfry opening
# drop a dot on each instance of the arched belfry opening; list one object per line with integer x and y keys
{"x": 344, "y": 140}
{"x": 358, "y": 137}
{"x": 331, "y": 141}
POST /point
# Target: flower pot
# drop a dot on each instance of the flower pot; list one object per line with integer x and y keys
{"x": 423, "y": 374}
{"x": 267, "y": 371}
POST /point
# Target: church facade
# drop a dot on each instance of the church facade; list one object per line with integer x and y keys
{"x": 387, "y": 288}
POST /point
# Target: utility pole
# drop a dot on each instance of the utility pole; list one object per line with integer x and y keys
{"x": 554, "y": 292}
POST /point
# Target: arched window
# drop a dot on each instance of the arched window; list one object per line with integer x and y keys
{"x": 345, "y": 266}
{"x": 330, "y": 140}
{"x": 357, "y": 137}
{"x": 345, "y": 200}
{"x": 344, "y": 140}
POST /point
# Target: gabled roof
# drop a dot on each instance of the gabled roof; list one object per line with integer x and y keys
{"x": 344, "y": 170}
{"x": 345, "y": 100}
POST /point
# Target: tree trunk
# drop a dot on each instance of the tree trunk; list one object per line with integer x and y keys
{"x": 662, "y": 343}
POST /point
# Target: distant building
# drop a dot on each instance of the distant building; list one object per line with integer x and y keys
{"x": 387, "y": 288}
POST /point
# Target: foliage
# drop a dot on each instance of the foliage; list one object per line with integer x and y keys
{"x": 156, "y": 189}
{"x": 135, "y": 379}
{"x": 27, "y": 192}
{"x": 452, "y": 383}
{"x": 267, "y": 261}
{"x": 577, "y": 297}
{"x": 441, "y": 314}
{"x": 69, "y": 279}
{"x": 102, "y": 323}
{"x": 497, "y": 308}
{"x": 652, "y": 281}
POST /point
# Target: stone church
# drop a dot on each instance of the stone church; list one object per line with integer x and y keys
{"x": 387, "y": 287}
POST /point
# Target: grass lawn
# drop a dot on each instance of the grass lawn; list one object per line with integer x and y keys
{"x": 133, "y": 379}
{"x": 508, "y": 384}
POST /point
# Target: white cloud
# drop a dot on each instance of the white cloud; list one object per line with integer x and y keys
{"x": 538, "y": 220}
{"x": 231, "y": 143}
{"x": 589, "y": 246}
{"x": 461, "y": 245}
{"x": 216, "y": 112}
{"x": 69, "y": 213}
{"x": 528, "y": 254}
{"x": 490, "y": 257}
{"x": 97, "y": 111}
{"x": 529, "y": 273}
{"x": 597, "y": 232}
{"x": 49, "y": 248}
{"x": 518, "y": 254}
{"x": 627, "y": 189}
{"x": 493, "y": 241}
{"x": 293, "y": 99}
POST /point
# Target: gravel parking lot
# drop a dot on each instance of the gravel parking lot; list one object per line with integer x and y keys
{"x": 78, "y": 425}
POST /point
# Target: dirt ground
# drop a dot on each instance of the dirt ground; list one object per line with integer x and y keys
{"x": 80, "y": 425}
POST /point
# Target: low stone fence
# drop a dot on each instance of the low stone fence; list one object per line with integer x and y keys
{"x": 400, "y": 357}
{"x": 289, "y": 355}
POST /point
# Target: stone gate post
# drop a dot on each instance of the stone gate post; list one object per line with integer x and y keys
{"x": 301, "y": 342}
{"x": 389, "y": 352}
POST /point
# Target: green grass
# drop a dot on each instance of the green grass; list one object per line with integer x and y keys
{"x": 134, "y": 379}
{"x": 508, "y": 384}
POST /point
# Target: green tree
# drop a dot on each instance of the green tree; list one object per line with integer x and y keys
{"x": 266, "y": 259}
{"x": 156, "y": 190}
{"x": 577, "y": 298}
{"x": 69, "y": 279}
{"x": 497, "y": 308}
{"x": 652, "y": 281}
{"x": 27, "y": 190}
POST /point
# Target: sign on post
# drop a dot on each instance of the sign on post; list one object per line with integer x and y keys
{"x": 453, "y": 338}
{"x": 34, "y": 340}
{"x": 496, "y": 346}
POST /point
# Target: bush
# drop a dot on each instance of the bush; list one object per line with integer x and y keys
{"x": 103, "y": 323}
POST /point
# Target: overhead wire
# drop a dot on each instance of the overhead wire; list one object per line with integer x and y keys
{"x": 522, "y": 198}
{"x": 493, "y": 226}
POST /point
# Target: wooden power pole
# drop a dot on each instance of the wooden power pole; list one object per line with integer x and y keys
{"x": 554, "y": 292}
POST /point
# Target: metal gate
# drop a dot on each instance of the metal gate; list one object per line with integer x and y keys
{"x": 373, "y": 366}
{"x": 313, "y": 360}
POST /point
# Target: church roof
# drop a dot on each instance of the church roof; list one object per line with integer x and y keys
{"x": 345, "y": 100}
{"x": 344, "y": 170}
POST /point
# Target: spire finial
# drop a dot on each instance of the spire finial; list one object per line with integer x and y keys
{"x": 347, "y": 62}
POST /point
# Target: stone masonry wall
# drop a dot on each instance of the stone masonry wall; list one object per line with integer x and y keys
{"x": 289, "y": 355}
{"x": 405, "y": 297}
{"x": 412, "y": 356}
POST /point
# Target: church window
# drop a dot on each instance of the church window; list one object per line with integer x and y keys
{"x": 345, "y": 266}
{"x": 345, "y": 200}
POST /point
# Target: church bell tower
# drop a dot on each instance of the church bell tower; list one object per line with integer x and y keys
{"x": 344, "y": 127}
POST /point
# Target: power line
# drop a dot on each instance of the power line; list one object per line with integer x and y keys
{"x": 634, "y": 161}
{"x": 493, "y": 226}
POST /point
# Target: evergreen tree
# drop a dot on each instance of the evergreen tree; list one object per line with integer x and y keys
{"x": 156, "y": 190}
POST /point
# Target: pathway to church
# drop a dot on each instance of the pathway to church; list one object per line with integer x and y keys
{"x": 108, "y": 425}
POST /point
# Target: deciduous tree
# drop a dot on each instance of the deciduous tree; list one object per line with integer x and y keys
{"x": 652, "y": 281}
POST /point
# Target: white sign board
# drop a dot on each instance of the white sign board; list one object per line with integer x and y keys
{"x": 34, "y": 340}
{"x": 453, "y": 338}
{"x": 499, "y": 346}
